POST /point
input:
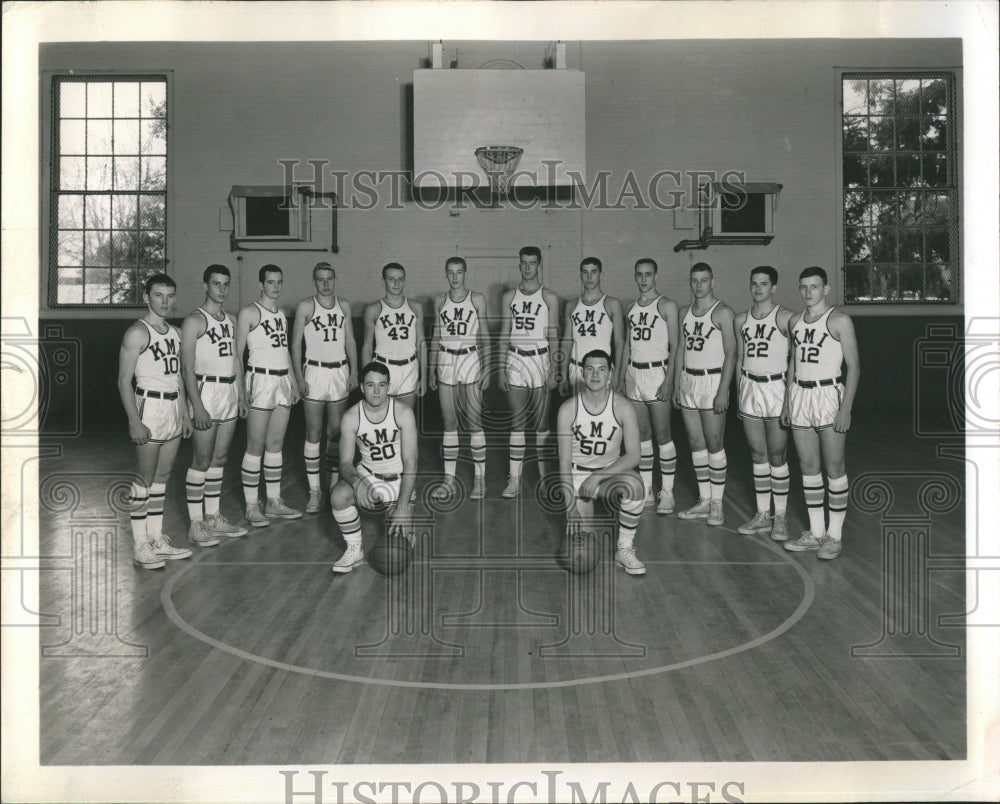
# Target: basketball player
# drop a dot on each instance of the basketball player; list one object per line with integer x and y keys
{"x": 213, "y": 379}
{"x": 394, "y": 336}
{"x": 460, "y": 347}
{"x": 594, "y": 321}
{"x": 157, "y": 418}
{"x": 594, "y": 427}
{"x": 818, "y": 409}
{"x": 649, "y": 380}
{"x": 528, "y": 339}
{"x": 271, "y": 391}
{"x": 701, "y": 389}
{"x": 762, "y": 332}
{"x": 384, "y": 432}
{"x": 326, "y": 375}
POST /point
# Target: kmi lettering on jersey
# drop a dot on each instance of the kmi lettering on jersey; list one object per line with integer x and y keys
{"x": 587, "y": 321}
{"x": 526, "y": 314}
{"x": 214, "y": 348}
{"x": 158, "y": 366}
{"x": 818, "y": 354}
{"x": 327, "y": 323}
{"x": 642, "y": 323}
{"x": 696, "y": 334}
{"x": 595, "y": 440}
{"x": 456, "y": 320}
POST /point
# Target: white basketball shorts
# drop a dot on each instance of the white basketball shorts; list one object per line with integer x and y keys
{"x": 327, "y": 384}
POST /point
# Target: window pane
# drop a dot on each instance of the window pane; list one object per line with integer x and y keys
{"x": 910, "y": 283}
{"x": 99, "y": 173}
{"x": 97, "y": 248}
{"x": 882, "y": 134}
{"x": 126, "y": 99}
{"x": 911, "y": 247}
{"x": 71, "y": 211}
{"x": 99, "y": 99}
{"x": 935, "y": 134}
{"x": 855, "y": 171}
{"x": 99, "y": 137}
{"x": 98, "y": 212}
{"x": 934, "y": 92}
{"x": 152, "y": 211}
{"x": 151, "y": 249}
{"x": 70, "y": 286}
{"x": 856, "y": 96}
{"x": 127, "y": 173}
{"x": 124, "y": 287}
{"x": 70, "y": 248}
{"x": 880, "y": 96}
{"x": 125, "y": 212}
{"x": 126, "y": 137}
{"x": 72, "y": 173}
{"x": 97, "y": 286}
{"x": 856, "y": 245}
{"x": 855, "y": 134}
{"x": 124, "y": 248}
{"x": 856, "y": 212}
{"x": 936, "y": 170}
{"x": 880, "y": 171}
{"x": 908, "y": 171}
{"x": 154, "y": 173}
{"x": 939, "y": 283}
{"x": 908, "y": 134}
{"x": 72, "y": 99}
{"x": 882, "y": 243}
{"x": 73, "y": 137}
{"x": 154, "y": 99}
{"x": 884, "y": 208}
{"x": 154, "y": 137}
{"x": 938, "y": 246}
{"x": 907, "y": 96}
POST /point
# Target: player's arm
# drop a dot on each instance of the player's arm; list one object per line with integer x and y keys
{"x": 783, "y": 320}
{"x": 421, "y": 344}
{"x": 408, "y": 438}
{"x": 552, "y": 336}
{"x": 614, "y": 307}
{"x": 629, "y": 459}
{"x": 368, "y": 344}
{"x": 348, "y": 445}
{"x": 248, "y": 318}
{"x": 193, "y": 328}
{"x": 668, "y": 309}
{"x": 790, "y": 377}
{"x": 561, "y": 358}
{"x": 723, "y": 318}
{"x": 506, "y": 324}
{"x": 842, "y": 328}
{"x": 303, "y": 310}
{"x": 435, "y": 347}
{"x": 738, "y": 323}
{"x": 564, "y": 441}
{"x": 350, "y": 345}
{"x": 135, "y": 340}
{"x": 679, "y": 362}
{"x": 483, "y": 338}
{"x": 186, "y": 428}
{"x": 241, "y": 389}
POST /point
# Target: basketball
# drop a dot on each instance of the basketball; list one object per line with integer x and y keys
{"x": 390, "y": 555}
{"x": 580, "y": 552}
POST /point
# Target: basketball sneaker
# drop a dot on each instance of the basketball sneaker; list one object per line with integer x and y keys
{"x": 626, "y": 559}
{"x": 830, "y": 548}
{"x": 700, "y": 510}
{"x": 219, "y": 524}
{"x": 315, "y": 501}
{"x": 760, "y": 523}
{"x": 513, "y": 487}
{"x": 350, "y": 559}
{"x": 200, "y": 536}
{"x": 715, "y": 515}
{"x": 779, "y": 531}
{"x": 144, "y": 555}
{"x": 164, "y": 549}
{"x": 807, "y": 541}
{"x": 276, "y": 507}
{"x": 665, "y": 502}
{"x": 446, "y": 489}
{"x": 650, "y": 500}
{"x": 255, "y": 518}
{"x": 478, "y": 488}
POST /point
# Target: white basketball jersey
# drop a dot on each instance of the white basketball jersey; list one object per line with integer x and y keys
{"x": 597, "y": 437}
{"x": 702, "y": 340}
{"x": 818, "y": 354}
{"x": 324, "y": 333}
{"x": 458, "y": 322}
{"x": 765, "y": 346}
{"x": 592, "y": 328}
{"x": 396, "y": 331}
{"x": 215, "y": 347}
{"x": 268, "y": 341}
{"x": 529, "y": 320}
{"x": 379, "y": 443}
{"x": 158, "y": 367}
{"x": 649, "y": 340}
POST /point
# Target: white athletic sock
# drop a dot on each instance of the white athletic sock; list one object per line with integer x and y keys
{"x": 628, "y": 521}
{"x": 251, "y": 478}
{"x": 542, "y": 452}
{"x": 154, "y": 513}
{"x": 668, "y": 465}
{"x": 700, "y": 461}
{"x": 350, "y": 524}
{"x": 477, "y": 440}
{"x": 717, "y": 473}
{"x": 311, "y": 453}
{"x": 762, "y": 486}
{"x": 837, "y": 488}
{"x": 449, "y": 450}
{"x": 139, "y": 498}
{"x": 646, "y": 465}
{"x": 516, "y": 452}
{"x": 779, "y": 487}
{"x": 812, "y": 489}
{"x": 272, "y": 474}
{"x": 213, "y": 490}
{"x": 194, "y": 487}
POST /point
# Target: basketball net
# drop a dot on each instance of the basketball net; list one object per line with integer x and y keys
{"x": 499, "y": 163}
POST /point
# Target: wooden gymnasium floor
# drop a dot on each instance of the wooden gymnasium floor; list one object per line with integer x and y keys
{"x": 729, "y": 649}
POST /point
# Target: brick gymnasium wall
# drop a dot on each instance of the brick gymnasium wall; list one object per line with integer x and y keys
{"x": 768, "y": 108}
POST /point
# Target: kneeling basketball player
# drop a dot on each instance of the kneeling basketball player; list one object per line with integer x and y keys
{"x": 599, "y": 453}
{"x": 383, "y": 431}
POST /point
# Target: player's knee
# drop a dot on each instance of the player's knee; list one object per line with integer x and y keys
{"x": 342, "y": 495}
{"x": 777, "y": 457}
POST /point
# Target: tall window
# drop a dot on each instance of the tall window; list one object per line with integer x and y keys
{"x": 108, "y": 188}
{"x": 900, "y": 188}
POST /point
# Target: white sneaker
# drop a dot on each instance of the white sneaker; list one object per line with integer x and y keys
{"x": 219, "y": 524}
{"x": 164, "y": 549}
{"x": 513, "y": 487}
{"x": 760, "y": 523}
{"x": 478, "y": 488}
{"x": 255, "y": 518}
{"x": 807, "y": 541}
{"x": 144, "y": 555}
{"x": 350, "y": 559}
{"x": 200, "y": 536}
{"x": 779, "y": 531}
{"x": 446, "y": 490}
{"x": 665, "y": 502}
{"x": 700, "y": 510}
{"x": 626, "y": 559}
{"x": 650, "y": 500}
{"x": 276, "y": 507}
{"x": 315, "y": 501}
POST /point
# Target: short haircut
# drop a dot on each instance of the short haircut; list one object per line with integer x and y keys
{"x": 530, "y": 251}
{"x": 768, "y": 271}
{"x": 270, "y": 268}
{"x": 214, "y": 269}
{"x": 701, "y": 266}
{"x": 647, "y": 261}
{"x": 595, "y": 353}
{"x": 592, "y": 261}
{"x": 160, "y": 279}
{"x": 814, "y": 270}
{"x": 392, "y": 266}
{"x": 378, "y": 368}
{"x": 456, "y": 261}
{"x": 324, "y": 266}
